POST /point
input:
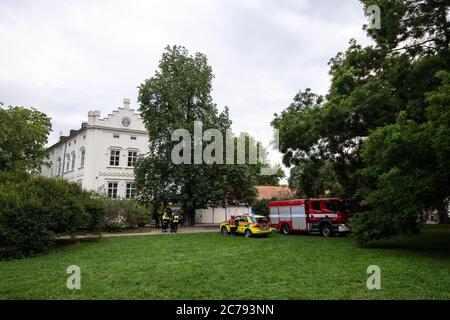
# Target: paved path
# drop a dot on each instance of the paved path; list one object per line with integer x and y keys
{"x": 149, "y": 233}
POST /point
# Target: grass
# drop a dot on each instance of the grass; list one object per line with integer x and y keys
{"x": 211, "y": 266}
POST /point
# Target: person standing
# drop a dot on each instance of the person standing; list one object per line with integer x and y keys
{"x": 161, "y": 210}
{"x": 165, "y": 221}
{"x": 175, "y": 221}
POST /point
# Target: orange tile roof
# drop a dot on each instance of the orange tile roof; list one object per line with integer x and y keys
{"x": 278, "y": 192}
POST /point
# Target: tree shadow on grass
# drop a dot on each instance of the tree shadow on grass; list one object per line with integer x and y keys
{"x": 433, "y": 240}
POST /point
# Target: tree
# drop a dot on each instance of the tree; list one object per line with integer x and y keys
{"x": 378, "y": 102}
{"x": 260, "y": 157}
{"x": 23, "y": 135}
{"x": 177, "y": 97}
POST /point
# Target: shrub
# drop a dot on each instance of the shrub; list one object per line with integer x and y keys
{"x": 124, "y": 214}
{"x": 33, "y": 209}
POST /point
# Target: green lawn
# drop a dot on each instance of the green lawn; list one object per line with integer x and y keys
{"x": 211, "y": 266}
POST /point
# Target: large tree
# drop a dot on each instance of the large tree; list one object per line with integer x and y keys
{"x": 23, "y": 135}
{"x": 260, "y": 163}
{"x": 371, "y": 126}
{"x": 177, "y": 97}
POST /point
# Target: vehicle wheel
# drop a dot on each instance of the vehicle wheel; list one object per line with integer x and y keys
{"x": 285, "y": 229}
{"x": 326, "y": 230}
{"x": 224, "y": 231}
{"x": 247, "y": 233}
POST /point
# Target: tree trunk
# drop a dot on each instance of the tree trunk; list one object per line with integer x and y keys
{"x": 443, "y": 215}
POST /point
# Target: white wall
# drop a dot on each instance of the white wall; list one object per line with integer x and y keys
{"x": 217, "y": 215}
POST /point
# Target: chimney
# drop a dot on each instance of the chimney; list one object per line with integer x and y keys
{"x": 93, "y": 116}
{"x": 126, "y": 103}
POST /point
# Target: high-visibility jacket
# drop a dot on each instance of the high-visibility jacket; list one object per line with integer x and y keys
{"x": 176, "y": 218}
{"x": 165, "y": 217}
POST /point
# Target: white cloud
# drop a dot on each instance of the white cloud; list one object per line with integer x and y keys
{"x": 67, "y": 57}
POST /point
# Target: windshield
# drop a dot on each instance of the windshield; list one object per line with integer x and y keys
{"x": 347, "y": 205}
{"x": 260, "y": 220}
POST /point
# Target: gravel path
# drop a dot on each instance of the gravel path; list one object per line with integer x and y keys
{"x": 149, "y": 233}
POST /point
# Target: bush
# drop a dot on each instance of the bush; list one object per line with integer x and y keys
{"x": 34, "y": 209}
{"x": 124, "y": 214}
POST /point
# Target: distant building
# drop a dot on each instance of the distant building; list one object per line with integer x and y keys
{"x": 277, "y": 192}
{"x": 101, "y": 154}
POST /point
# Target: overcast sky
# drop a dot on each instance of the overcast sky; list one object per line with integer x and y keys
{"x": 68, "y": 57}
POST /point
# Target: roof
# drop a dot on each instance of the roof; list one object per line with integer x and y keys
{"x": 277, "y": 192}
{"x": 63, "y": 139}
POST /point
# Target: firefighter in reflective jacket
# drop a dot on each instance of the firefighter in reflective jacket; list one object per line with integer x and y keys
{"x": 165, "y": 221}
{"x": 175, "y": 221}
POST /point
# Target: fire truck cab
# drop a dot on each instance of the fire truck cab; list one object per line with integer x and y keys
{"x": 326, "y": 216}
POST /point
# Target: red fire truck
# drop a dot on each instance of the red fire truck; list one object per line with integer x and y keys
{"x": 326, "y": 216}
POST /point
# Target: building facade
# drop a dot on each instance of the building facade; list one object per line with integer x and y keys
{"x": 100, "y": 156}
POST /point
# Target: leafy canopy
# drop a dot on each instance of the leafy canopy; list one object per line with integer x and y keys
{"x": 23, "y": 135}
{"x": 381, "y": 132}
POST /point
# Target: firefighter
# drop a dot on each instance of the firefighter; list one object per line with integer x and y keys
{"x": 175, "y": 221}
{"x": 161, "y": 210}
{"x": 165, "y": 221}
{"x": 181, "y": 217}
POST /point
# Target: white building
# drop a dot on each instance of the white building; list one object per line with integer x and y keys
{"x": 100, "y": 155}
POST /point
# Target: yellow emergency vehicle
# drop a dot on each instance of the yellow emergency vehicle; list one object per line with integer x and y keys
{"x": 248, "y": 225}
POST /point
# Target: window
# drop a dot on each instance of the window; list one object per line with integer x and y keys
{"x": 133, "y": 138}
{"x": 67, "y": 162}
{"x": 115, "y": 157}
{"x": 330, "y": 205}
{"x": 112, "y": 189}
{"x": 315, "y": 205}
{"x": 116, "y": 136}
{"x": 73, "y": 160}
{"x": 59, "y": 166}
{"x": 132, "y": 156}
{"x": 83, "y": 154}
{"x": 129, "y": 192}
